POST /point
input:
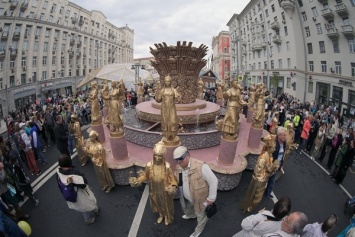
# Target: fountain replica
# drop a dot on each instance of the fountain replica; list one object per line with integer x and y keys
{"x": 129, "y": 148}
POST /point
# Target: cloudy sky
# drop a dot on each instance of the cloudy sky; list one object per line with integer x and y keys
{"x": 156, "y": 21}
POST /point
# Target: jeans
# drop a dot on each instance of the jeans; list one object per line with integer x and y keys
{"x": 40, "y": 154}
{"x": 270, "y": 184}
{"x": 70, "y": 144}
{"x": 88, "y": 216}
{"x": 302, "y": 145}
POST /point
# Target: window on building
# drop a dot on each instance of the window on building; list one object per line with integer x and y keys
{"x": 41, "y": 17}
{"x": 346, "y": 21}
{"x": 288, "y": 46}
{"x": 288, "y": 84}
{"x": 308, "y": 32}
{"x": 351, "y": 42}
{"x": 267, "y": 12}
{"x": 259, "y": 65}
{"x": 47, "y": 32}
{"x": 279, "y": 48}
{"x": 311, "y": 66}
{"x": 304, "y": 16}
{"x": 310, "y": 48}
{"x": 324, "y": 66}
{"x": 300, "y": 3}
{"x": 1, "y": 65}
{"x": 265, "y": 64}
{"x": 45, "y": 47}
{"x": 53, "y": 73}
{"x": 272, "y": 64}
{"x": 336, "y": 45}
{"x": 352, "y": 69}
{"x": 319, "y": 28}
{"x": 286, "y": 32}
{"x": 12, "y": 64}
{"x": 44, "y": 75}
{"x": 310, "y": 87}
{"x": 23, "y": 62}
{"x": 314, "y": 10}
{"x": 271, "y": 50}
{"x": 45, "y": 5}
{"x": 288, "y": 63}
{"x": 61, "y": 11}
{"x": 54, "y": 59}
{"x": 321, "y": 47}
{"x": 34, "y": 61}
{"x": 62, "y": 60}
{"x": 273, "y": 8}
{"x": 34, "y": 3}
{"x": 280, "y": 63}
{"x": 44, "y": 60}
{"x": 338, "y": 67}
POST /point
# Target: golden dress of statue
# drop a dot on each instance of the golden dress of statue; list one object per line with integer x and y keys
{"x": 105, "y": 95}
{"x": 122, "y": 91}
{"x": 230, "y": 124}
{"x": 264, "y": 168}
{"x": 290, "y": 137}
{"x": 140, "y": 89}
{"x": 114, "y": 118}
{"x": 252, "y": 91}
{"x": 162, "y": 184}
{"x": 95, "y": 105}
{"x": 97, "y": 152}
{"x": 219, "y": 94}
{"x": 258, "y": 118}
{"x": 79, "y": 140}
{"x": 168, "y": 96}
{"x": 200, "y": 87}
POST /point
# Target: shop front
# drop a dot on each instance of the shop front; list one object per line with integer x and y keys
{"x": 24, "y": 96}
{"x": 337, "y": 97}
{"x": 64, "y": 87}
{"x": 47, "y": 89}
{"x": 323, "y": 93}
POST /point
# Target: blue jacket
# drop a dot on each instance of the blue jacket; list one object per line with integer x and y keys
{"x": 36, "y": 140}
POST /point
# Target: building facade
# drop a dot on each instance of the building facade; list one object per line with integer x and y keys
{"x": 305, "y": 48}
{"x": 221, "y": 54}
{"x": 47, "y": 47}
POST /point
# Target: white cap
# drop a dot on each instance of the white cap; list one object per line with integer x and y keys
{"x": 179, "y": 152}
{"x": 21, "y": 125}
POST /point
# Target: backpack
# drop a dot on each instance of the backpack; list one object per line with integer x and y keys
{"x": 21, "y": 143}
{"x": 68, "y": 191}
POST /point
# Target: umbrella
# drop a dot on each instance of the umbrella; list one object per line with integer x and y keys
{"x": 116, "y": 72}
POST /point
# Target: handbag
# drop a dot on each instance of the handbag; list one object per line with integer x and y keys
{"x": 11, "y": 189}
{"x": 211, "y": 210}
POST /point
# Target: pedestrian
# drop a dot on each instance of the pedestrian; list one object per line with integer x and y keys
{"x": 320, "y": 229}
{"x": 342, "y": 151}
{"x": 49, "y": 123}
{"x": 319, "y": 140}
{"x": 336, "y": 143}
{"x": 61, "y": 135}
{"x": 36, "y": 143}
{"x": 278, "y": 154}
{"x": 9, "y": 227}
{"x": 305, "y": 134}
{"x": 346, "y": 162}
{"x": 291, "y": 226}
{"x": 197, "y": 187}
{"x": 265, "y": 221}
{"x": 85, "y": 201}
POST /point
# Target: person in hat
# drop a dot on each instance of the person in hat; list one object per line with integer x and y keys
{"x": 264, "y": 168}
{"x": 162, "y": 184}
{"x": 197, "y": 187}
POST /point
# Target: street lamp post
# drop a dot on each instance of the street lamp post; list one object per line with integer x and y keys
{"x": 136, "y": 67}
{"x": 97, "y": 46}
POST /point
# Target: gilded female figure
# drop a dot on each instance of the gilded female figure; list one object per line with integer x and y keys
{"x": 219, "y": 94}
{"x": 168, "y": 96}
{"x": 79, "y": 140}
{"x": 259, "y": 113}
{"x": 114, "y": 117}
{"x": 264, "y": 168}
{"x": 140, "y": 89}
{"x": 105, "y": 94}
{"x": 95, "y": 106}
{"x": 230, "y": 124}
{"x": 252, "y": 90}
{"x": 97, "y": 152}
{"x": 162, "y": 184}
{"x": 200, "y": 87}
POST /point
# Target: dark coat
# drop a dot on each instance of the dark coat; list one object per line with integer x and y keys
{"x": 275, "y": 155}
{"x": 61, "y": 136}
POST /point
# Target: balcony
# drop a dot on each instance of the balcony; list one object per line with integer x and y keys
{"x": 244, "y": 43}
{"x": 276, "y": 39}
{"x": 328, "y": 14}
{"x": 332, "y": 33}
{"x": 72, "y": 42}
{"x": 257, "y": 47}
{"x": 244, "y": 52}
{"x": 78, "y": 44}
{"x": 323, "y": 1}
{"x": 263, "y": 44}
{"x": 16, "y": 35}
{"x": 84, "y": 55}
{"x": 74, "y": 20}
{"x": 24, "y": 6}
{"x": 348, "y": 31}
{"x": 2, "y": 53}
{"x": 275, "y": 25}
{"x": 13, "y": 52}
{"x": 71, "y": 53}
{"x": 341, "y": 10}
{"x": 109, "y": 50}
{"x": 288, "y": 5}
{"x": 13, "y": 5}
{"x": 81, "y": 22}
{"x": 5, "y": 34}
{"x": 78, "y": 55}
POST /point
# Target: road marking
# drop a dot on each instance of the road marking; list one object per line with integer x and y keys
{"x": 139, "y": 214}
{"x": 326, "y": 171}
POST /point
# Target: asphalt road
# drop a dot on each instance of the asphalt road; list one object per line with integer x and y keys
{"x": 309, "y": 187}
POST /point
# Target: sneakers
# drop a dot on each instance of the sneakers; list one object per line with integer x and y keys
{"x": 195, "y": 234}
{"x": 36, "y": 202}
{"x": 92, "y": 220}
{"x": 188, "y": 217}
{"x": 269, "y": 196}
{"x": 39, "y": 172}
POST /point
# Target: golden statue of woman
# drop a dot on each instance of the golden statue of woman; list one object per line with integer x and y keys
{"x": 105, "y": 94}
{"x": 168, "y": 96}
{"x": 290, "y": 137}
{"x": 264, "y": 168}
{"x": 252, "y": 91}
{"x": 114, "y": 117}
{"x": 97, "y": 152}
{"x": 219, "y": 94}
{"x": 79, "y": 140}
{"x": 95, "y": 105}
{"x": 122, "y": 91}
{"x": 274, "y": 123}
{"x": 230, "y": 124}
{"x": 200, "y": 87}
{"x": 162, "y": 184}
{"x": 140, "y": 89}
{"x": 259, "y": 111}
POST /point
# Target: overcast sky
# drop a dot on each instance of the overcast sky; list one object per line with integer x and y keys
{"x": 156, "y": 21}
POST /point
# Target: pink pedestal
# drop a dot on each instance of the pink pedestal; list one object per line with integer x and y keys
{"x": 220, "y": 102}
{"x": 105, "y": 112}
{"x": 100, "y": 129}
{"x": 249, "y": 115}
{"x": 119, "y": 148}
{"x": 227, "y": 150}
{"x": 169, "y": 156}
{"x": 254, "y": 137}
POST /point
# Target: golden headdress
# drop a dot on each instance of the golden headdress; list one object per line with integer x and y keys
{"x": 159, "y": 148}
